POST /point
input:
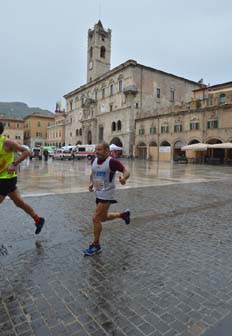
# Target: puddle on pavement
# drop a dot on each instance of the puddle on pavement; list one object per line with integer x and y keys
{"x": 55, "y": 177}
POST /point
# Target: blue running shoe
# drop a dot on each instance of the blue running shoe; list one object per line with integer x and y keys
{"x": 93, "y": 249}
{"x": 39, "y": 225}
{"x": 126, "y": 216}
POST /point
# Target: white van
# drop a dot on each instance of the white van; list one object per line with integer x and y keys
{"x": 36, "y": 153}
{"x": 84, "y": 151}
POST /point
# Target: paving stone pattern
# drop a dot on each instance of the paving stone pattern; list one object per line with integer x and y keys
{"x": 168, "y": 273}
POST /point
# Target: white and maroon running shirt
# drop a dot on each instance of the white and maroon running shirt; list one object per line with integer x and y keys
{"x": 103, "y": 172}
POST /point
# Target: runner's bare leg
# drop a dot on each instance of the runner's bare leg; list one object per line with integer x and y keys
{"x": 19, "y": 202}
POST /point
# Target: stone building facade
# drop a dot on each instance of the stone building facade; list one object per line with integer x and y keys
{"x": 56, "y": 131}
{"x": 106, "y": 107}
{"x": 207, "y": 118}
{"x": 14, "y": 128}
{"x": 35, "y": 129}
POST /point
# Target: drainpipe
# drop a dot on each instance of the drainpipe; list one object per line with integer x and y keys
{"x": 141, "y": 101}
{"x": 203, "y": 132}
{"x": 158, "y": 140}
{"x": 203, "y": 126}
{"x": 141, "y": 90}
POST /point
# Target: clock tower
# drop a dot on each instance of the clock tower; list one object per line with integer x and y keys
{"x": 99, "y": 51}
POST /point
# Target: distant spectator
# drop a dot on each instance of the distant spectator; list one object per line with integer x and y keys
{"x": 45, "y": 154}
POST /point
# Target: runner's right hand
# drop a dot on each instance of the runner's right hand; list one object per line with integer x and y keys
{"x": 122, "y": 180}
{"x": 91, "y": 187}
{"x": 11, "y": 169}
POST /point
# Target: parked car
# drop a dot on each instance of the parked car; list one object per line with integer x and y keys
{"x": 51, "y": 153}
{"x": 58, "y": 154}
{"x": 83, "y": 151}
{"x": 180, "y": 158}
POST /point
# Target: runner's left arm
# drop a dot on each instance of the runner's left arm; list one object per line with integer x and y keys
{"x": 14, "y": 147}
{"x": 116, "y": 165}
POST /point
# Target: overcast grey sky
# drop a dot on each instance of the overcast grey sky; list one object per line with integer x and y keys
{"x": 44, "y": 42}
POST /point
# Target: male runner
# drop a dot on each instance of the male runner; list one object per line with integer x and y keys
{"x": 8, "y": 176}
{"x": 102, "y": 180}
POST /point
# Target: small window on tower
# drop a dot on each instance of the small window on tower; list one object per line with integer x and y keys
{"x": 95, "y": 95}
{"x": 111, "y": 89}
{"x": 103, "y": 93}
{"x": 120, "y": 86}
{"x": 91, "y": 52}
{"x": 172, "y": 98}
{"x": 103, "y": 52}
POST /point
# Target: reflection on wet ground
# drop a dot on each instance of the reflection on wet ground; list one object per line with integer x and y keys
{"x": 52, "y": 177}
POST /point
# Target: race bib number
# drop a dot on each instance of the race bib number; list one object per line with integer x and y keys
{"x": 99, "y": 180}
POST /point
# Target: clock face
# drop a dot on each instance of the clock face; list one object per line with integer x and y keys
{"x": 90, "y": 65}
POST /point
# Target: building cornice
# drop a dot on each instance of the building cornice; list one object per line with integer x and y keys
{"x": 121, "y": 67}
{"x": 55, "y": 126}
{"x": 221, "y": 86}
{"x": 182, "y": 112}
{"x": 39, "y": 116}
{"x": 2, "y": 118}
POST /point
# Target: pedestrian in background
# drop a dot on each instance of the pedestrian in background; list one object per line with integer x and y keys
{"x": 45, "y": 154}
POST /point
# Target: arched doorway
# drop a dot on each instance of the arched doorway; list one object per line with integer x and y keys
{"x": 142, "y": 151}
{"x": 165, "y": 144}
{"x": 195, "y": 156}
{"x": 177, "y": 153}
{"x": 116, "y": 141}
{"x": 89, "y": 137}
{"x": 153, "y": 144}
{"x": 213, "y": 141}
{"x": 165, "y": 151}
{"x": 153, "y": 151}
{"x": 215, "y": 155}
{"x": 228, "y": 153}
{"x": 194, "y": 141}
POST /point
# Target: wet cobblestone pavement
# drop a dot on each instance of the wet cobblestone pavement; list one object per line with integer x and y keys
{"x": 167, "y": 273}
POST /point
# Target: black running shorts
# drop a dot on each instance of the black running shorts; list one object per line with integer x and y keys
{"x": 98, "y": 200}
{"x": 7, "y": 186}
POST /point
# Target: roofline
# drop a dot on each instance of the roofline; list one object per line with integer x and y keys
{"x": 118, "y": 68}
{"x": 102, "y": 77}
{"x": 170, "y": 74}
{"x": 38, "y": 115}
{"x": 12, "y": 119}
{"x": 214, "y": 86}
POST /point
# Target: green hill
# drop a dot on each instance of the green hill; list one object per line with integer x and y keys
{"x": 20, "y": 110}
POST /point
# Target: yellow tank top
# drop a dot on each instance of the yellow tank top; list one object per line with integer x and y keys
{"x": 6, "y": 158}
